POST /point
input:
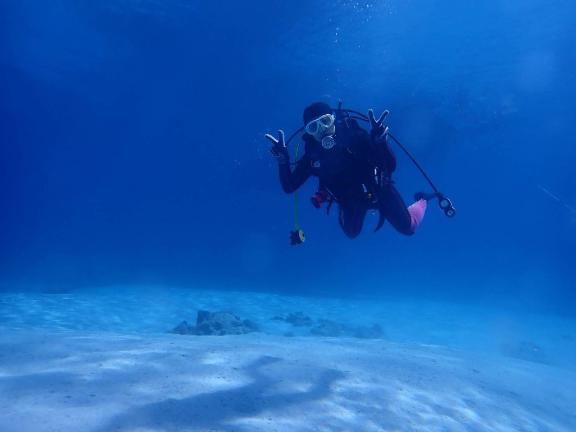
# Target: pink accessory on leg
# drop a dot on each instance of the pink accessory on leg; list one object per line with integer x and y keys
{"x": 417, "y": 211}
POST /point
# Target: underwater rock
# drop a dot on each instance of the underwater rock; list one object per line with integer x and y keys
{"x": 299, "y": 319}
{"x": 328, "y": 328}
{"x": 216, "y": 323}
{"x": 222, "y": 323}
{"x": 184, "y": 328}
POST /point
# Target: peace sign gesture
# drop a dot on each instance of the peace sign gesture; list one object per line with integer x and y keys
{"x": 279, "y": 149}
{"x": 378, "y": 128}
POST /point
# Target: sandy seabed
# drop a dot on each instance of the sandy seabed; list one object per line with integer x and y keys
{"x": 104, "y": 362}
{"x": 74, "y": 381}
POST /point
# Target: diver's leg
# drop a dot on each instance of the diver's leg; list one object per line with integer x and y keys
{"x": 404, "y": 219}
{"x": 351, "y": 217}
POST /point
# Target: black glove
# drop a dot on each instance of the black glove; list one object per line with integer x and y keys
{"x": 279, "y": 149}
{"x": 378, "y": 128}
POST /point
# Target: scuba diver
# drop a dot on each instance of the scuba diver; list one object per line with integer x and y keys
{"x": 354, "y": 168}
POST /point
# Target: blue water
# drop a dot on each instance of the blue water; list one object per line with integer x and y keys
{"x": 137, "y": 188}
{"x": 132, "y": 147}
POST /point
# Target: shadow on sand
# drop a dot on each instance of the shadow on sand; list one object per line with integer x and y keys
{"x": 216, "y": 410}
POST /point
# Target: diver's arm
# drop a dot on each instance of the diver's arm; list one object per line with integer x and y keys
{"x": 379, "y": 136}
{"x": 292, "y": 180}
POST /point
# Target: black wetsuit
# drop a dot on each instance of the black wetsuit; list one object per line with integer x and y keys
{"x": 347, "y": 172}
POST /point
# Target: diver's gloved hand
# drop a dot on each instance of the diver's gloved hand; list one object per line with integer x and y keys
{"x": 378, "y": 128}
{"x": 279, "y": 149}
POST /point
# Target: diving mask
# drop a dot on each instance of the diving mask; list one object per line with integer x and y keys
{"x": 321, "y": 127}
